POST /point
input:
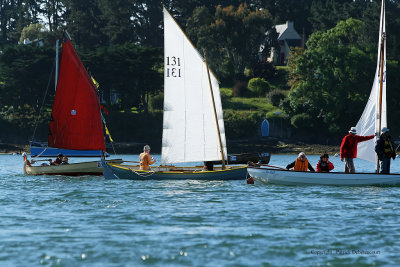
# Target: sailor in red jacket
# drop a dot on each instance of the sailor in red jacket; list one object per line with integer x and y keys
{"x": 324, "y": 165}
{"x": 348, "y": 149}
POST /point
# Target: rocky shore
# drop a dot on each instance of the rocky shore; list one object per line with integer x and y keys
{"x": 271, "y": 145}
{"x": 13, "y": 148}
{"x": 276, "y": 146}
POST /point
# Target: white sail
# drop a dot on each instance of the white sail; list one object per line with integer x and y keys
{"x": 369, "y": 122}
{"x": 189, "y": 129}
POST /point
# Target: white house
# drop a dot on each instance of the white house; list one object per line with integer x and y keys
{"x": 287, "y": 37}
{"x": 38, "y": 42}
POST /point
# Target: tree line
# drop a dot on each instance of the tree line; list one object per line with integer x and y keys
{"x": 121, "y": 41}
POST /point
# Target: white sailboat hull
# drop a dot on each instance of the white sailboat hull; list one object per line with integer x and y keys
{"x": 73, "y": 169}
{"x": 285, "y": 177}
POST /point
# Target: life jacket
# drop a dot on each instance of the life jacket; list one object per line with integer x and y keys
{"x": 388, "y": 148}
{"x": 324, "y": 166}
{"x": 301, "y": 166}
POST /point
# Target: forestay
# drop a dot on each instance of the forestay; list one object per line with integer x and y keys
{"x": 369, "y": 121}
{"x": 189, "y": 129}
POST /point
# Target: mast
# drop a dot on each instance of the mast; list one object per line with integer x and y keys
{"x": 56, "y": 74}
{"x": 374, "y": 116}
{"x": 381, "y": 79}
{"x": 215, "y": 112}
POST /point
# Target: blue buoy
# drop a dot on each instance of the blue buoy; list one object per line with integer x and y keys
{"x": 265, "y": 128}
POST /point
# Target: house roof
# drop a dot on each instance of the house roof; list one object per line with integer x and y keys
{"x": 287, "y": 31}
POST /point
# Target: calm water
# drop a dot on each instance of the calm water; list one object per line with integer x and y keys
{"x": 57, "y": 221}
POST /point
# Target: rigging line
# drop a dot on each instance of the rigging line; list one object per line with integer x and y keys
{"x": 204, "y": 118}
{"x": 41, "y": 152}
{"x": 184, "y": 93}
{"x": 112, "y": 145}
{"x": 44, "y": 99}
{"x": 109, "y": 136}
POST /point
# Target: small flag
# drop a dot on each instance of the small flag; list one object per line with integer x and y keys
{"x": 95, "y": 82}
{"x": 104, "y": 109}
{"x": 108, "y": 133}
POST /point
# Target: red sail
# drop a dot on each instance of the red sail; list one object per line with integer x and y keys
{"x": 76, "y": 119}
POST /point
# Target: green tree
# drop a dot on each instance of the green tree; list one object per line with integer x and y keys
{"x": 231, "y": 36}
{"x": 131, "y": 70}
{"x": 32, "y": 32}
{"x": 13, "y": 17}
{"x": 52, "y": 11}
{"x": 258, "y": 86}
{"x": 24, "y": 74}
{"x": 325, "y": 14}
{"x": 332, "y": 78}
{"x": 84, "y": 22}
{"x": 147, "y": 21}
{"x": 116, "y": 15}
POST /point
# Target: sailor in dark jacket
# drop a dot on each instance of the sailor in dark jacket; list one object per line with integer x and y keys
{"x": 384, "y": 149}
{"x": 324, "y": 165}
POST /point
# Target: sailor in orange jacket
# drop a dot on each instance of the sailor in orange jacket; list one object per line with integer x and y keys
{"x": 301, "y": 164}
{"x": 145, "y": 159}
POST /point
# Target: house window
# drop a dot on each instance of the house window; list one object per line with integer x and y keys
{"x": 282, "y": 57}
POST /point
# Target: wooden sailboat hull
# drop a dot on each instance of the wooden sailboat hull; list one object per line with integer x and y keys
{"x": 285, "y": 177}
{"x": 119, "y": 171}
{"x": 73, "y": 169}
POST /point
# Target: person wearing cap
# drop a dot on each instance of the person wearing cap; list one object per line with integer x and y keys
{"x": 348, "y": 148}
{"x": 301, "y": 164}
{"x": 324, "y": 165}
{"x": 58, "y": 160}
{"x": 384, "y": 149}
{"x": 145, "y": 159}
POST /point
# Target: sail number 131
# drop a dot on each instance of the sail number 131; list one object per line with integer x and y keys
{"x": 173, "y": 67}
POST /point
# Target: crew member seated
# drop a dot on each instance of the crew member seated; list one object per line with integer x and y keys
{"x": 300, "y": 164}
{"x": 64, "y": 160}
{"x": 208, "y": 166}
{"x": 58, "y": 160}
{"x": 324, "y": 165}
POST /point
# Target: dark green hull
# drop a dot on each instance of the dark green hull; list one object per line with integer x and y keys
{"x": 117, "y": 171}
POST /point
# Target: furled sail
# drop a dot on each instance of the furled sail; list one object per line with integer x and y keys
{"x": 372, "y": 121}
{"x": 76, "y": 119}
{"x": 189, "y": 129}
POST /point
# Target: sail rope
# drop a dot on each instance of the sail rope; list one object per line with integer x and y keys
{"x": 41, "y": 152}
{"x": 44, "y": 99}
{"x": 112, "y": 145}
{"x": 108, "y": 133}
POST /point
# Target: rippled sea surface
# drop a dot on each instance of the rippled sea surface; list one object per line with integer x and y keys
{"x": 90, "y": 221}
